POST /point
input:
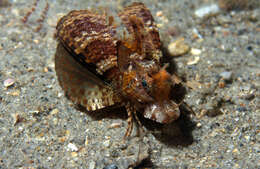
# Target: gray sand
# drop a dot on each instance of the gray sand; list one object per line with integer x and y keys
{"x": 40, "y": 127}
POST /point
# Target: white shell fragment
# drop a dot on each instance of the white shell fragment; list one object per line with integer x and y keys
{"x": 178, "y": 48}
{"x": 195, "y": 51}
{"x": 194, "y": 61}
{"x": 212, "y": 9}
{"x": 72, "y": 147}
{"x": 9, "y": 82}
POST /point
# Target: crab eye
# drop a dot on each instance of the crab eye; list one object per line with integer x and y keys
{"x": 144, "y": 83}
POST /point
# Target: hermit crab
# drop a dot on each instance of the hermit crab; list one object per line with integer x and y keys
{"x": 104, "y": 61}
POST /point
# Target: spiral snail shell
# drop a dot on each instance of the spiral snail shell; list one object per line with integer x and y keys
{"x": 99, "y": 67}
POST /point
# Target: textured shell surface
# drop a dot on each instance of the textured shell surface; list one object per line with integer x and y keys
{"x": 98, "y": 66}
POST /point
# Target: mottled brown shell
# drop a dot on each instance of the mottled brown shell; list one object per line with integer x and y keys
{"x": 90, "y": 38}
{"x": 139, "y": 21}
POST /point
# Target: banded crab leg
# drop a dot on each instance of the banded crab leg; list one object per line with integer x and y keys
{"x": 130, "y": 112}
{"x": 129, "y": 120}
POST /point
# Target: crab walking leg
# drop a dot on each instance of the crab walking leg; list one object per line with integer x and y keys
{"x": 140, "y": 126}
{"x": 129, "y": 120}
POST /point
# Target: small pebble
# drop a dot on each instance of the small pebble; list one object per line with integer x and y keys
{"x": 247, "y": 138}
{"x": 14, "y": 93}
{"x": 199, "y": 125}
{"x": 54, "y": 111}
{"x": 241, "y": 109}
{"x": 221, "y": 84}
{"x": 194, "y": 84}
{"x": 250, "y": 48}
{"x": 9, "y": 82}
{"x": 74, "y": 154}
{"x": 222, "y": 20}
{"x": 18, "y": 119}
{"x": 159, "y": 13}
{"x": 115, "y": 125}
{"x": 92, "y": 165}
{"x": 106, "y": 143}
{"x": 195, "y": 51}
{"x": 178, "y": 48}
{"x": 194, "y": 61}
{"x": 235, "y": 151}
{"x": 60, "y": 94}
{"x": 45, "y": 70}
{"x": 72, "y": 147}
{"x": 196, "y": 33}
{"x": 111, "y": 166}
{"x": 249, "y": 96}
{"x": 207, "y": 10}
{"x": 55, "y": 121}
{"x": 226, "y": 75}
{"x": 258, "y": 137}
{"x": 159, "y": 25}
